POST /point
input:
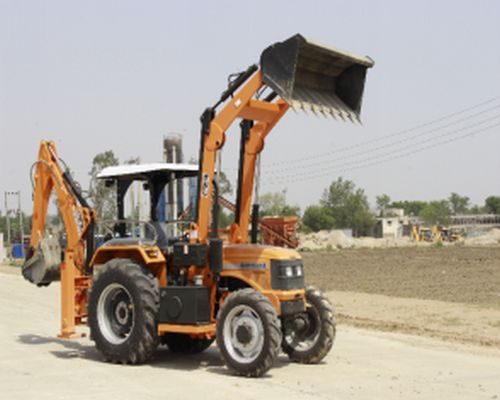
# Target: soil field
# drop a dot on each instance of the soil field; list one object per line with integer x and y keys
{"x": 468, "y": 275}
{"x": 451, "y": 293}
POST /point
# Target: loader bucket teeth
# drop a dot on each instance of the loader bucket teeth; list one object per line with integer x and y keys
{"x": 43, "y": 267}
{"x": 310, "y": 76}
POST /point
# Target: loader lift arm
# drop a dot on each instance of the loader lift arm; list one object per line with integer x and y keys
{"x": 299, "y": 73}
{"x": 79, "y": 220}
{"x": 265, "y": 114}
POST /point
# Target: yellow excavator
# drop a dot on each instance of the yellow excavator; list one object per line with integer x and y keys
{"x": 189, "y": 289}
{"x": 437, "y": 234}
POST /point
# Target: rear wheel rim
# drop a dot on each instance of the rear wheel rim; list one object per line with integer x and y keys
{"x": 115, "y": 313}
{"x": 243, "y": 334}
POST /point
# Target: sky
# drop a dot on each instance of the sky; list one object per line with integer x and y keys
{"x": 119, "y": 75}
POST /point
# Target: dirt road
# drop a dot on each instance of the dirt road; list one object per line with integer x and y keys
{"x": 34, "y": 364}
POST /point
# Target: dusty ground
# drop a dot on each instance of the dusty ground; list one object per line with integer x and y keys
{"x": 452, "y": 292}
{"x": 364, "y": 364}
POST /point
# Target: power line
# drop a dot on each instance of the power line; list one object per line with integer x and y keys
{"x": 380, "y": 139}
{"x": 398, "y": 148}
{"x": 381, "y": 161}
{"x": 385, "y": 146}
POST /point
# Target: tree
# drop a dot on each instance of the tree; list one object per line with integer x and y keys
{"x": 492, "y": 205}
{"x": 225, "y": 220}
{"x": 476, "y": 210}
{"x": 103, "y": 198}
{"x": 14, "y": 226}
{"x": 348, "y": 206}
{"x": 133, "y": 160}
{"x": 436, "y": 213}
{"x": 318, "y": 218}
{"x": 413, "y": 207}
{"x": 275, "y": 204}
{"x": 459, "y": 204}
{"x": 224, "y": 184}
{"x": 383, "y": 202}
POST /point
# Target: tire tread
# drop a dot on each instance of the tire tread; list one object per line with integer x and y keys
{"x": 263, "y": 363}
{"x": 327, "y": 334}
{"x": 146, "y": 340}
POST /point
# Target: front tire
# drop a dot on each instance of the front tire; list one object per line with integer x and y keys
{"x": 122, "y": 312}
{"x": 248, "y": 333}
{"x": 311, "y": 335}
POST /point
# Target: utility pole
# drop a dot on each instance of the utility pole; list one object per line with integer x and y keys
{"x": 21, "y": 228}
{"x": 19, "y": 215}
{"x": 7, "y": 218}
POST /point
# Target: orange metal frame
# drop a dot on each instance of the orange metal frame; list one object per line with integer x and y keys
{"x": 74, "y": 283}
{"x": 265, "y": 116}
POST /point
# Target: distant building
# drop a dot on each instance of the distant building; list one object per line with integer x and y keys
{"x": 394, "y": 224}
{"x": 486, "y": 220}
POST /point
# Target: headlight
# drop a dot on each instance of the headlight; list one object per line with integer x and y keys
{"x": 287, "y": 274}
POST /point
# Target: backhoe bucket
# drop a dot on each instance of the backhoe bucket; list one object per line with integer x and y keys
{"x": 43, "y": 266}
{"x": 313, "y": 77}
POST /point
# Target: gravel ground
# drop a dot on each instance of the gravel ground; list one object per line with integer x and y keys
{"x": 35, "y": 364}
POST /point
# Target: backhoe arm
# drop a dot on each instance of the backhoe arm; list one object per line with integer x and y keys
{"x": 50, "y": 176}
{"x": 43, "y": 264}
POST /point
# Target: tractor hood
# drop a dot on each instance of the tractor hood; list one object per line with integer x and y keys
{"x": 258, "y": 253}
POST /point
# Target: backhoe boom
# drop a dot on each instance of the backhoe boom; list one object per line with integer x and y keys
{"x": 43, "y": 264}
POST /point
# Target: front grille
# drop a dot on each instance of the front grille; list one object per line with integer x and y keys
{"x": 283, "y": 279}
{"x": 291, "y": 307}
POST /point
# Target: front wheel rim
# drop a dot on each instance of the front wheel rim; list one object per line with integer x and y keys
{"x": 243, "y": 334}
{"x": 305, "y": 341}
{"x": 115, "y": 313}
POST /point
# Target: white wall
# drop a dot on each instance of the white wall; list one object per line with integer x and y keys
{"x": 3, "y": 253}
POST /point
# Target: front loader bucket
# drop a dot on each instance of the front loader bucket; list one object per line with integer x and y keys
{"x": 42, "y": 266}
{"x": 314, "y": 77}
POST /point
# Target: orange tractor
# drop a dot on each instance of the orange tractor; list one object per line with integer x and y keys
{"x": 189, "y": 289}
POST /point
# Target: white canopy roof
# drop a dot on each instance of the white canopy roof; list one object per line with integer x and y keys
{"x": 138, "y": 171}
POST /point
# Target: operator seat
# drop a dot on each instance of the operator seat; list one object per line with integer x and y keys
{"x": 161, "y": 236}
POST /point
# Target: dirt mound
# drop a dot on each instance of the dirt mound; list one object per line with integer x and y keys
{"x": 489, "y": 238}
{"x": 337, "y": 240}
{"x": 331, "y": 240}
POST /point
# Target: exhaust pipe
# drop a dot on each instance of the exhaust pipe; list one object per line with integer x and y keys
{"x": 316, "y": 78}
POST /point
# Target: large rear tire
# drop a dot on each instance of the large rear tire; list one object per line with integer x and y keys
{"x": 122, "y": 312}
{"x": 248, "y": 333}
{"x": 313, "y": 332}
{"x": 184, "y": 344}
